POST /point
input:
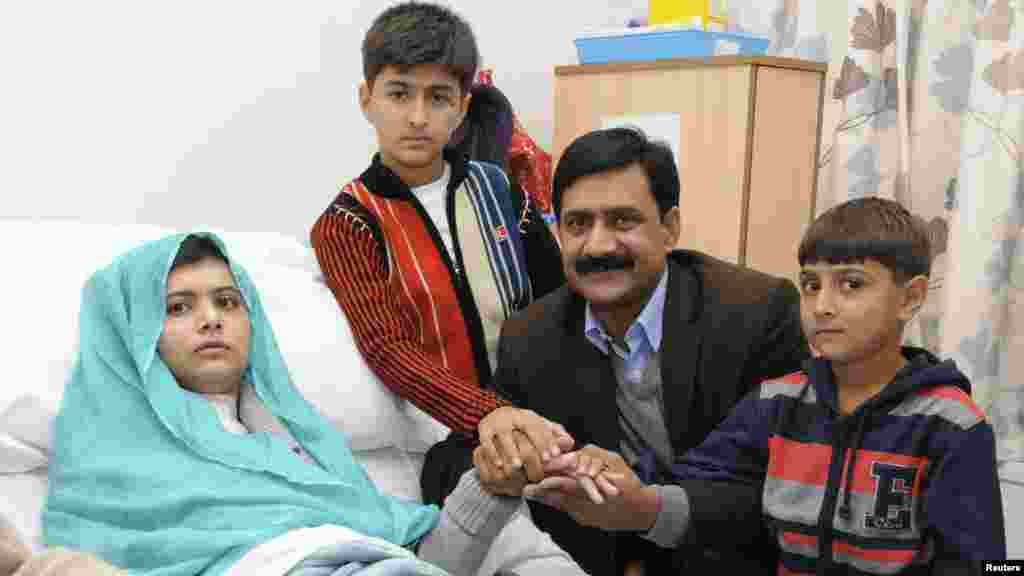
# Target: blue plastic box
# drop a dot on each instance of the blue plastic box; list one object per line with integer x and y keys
{"x": 664, "y": 42}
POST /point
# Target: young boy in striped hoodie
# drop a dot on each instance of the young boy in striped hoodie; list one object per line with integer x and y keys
{"x": 873, "y": 459}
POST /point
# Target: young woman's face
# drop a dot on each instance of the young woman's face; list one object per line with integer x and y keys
{"x": 205, "y": 340}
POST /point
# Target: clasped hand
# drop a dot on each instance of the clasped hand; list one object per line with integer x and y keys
{"x": 523, "y": 454}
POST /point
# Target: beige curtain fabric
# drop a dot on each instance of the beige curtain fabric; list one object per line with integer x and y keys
{"x": 924, "y": 105}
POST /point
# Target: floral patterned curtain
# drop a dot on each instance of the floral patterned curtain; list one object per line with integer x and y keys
{"x": 924, "y": 105}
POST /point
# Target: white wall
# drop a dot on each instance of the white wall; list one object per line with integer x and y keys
{"x": 240, "y": 114}
{"x": 1012, "y": 475}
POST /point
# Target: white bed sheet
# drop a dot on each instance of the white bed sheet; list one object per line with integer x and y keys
{"x": 21, "y": 501}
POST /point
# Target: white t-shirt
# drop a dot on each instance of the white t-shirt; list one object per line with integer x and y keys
{"x": 434, "y": 198}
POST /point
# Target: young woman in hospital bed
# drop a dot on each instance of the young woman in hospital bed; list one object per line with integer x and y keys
{"x": 183, "y": 447}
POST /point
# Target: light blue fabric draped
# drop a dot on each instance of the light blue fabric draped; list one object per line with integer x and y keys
{"x": 144, "y": 475}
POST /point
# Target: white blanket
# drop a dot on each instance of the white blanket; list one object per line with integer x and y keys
{"x": 279, "y": 556}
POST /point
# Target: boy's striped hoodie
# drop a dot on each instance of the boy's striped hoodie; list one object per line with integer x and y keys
{"x": 906, "y": 484}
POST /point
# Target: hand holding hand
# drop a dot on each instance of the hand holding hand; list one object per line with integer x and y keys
{"x": 597, "y": 488}
{"x": 506, "y": 480}
{"x": 508, "y": 427}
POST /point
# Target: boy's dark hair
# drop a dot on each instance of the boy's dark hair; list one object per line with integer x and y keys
{"x": 195, "y": 248}
{"x": 413, "y": 33}
{"x": 617, "y": 149}
{"x": 874, "y": 228}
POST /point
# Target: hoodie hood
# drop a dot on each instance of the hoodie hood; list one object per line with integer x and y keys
{"x": 923, "y": 370}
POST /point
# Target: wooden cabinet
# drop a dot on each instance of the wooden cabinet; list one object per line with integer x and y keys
{"x": 748, "y": 145}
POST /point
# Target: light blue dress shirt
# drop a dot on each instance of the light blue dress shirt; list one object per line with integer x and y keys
{"x": 640, "y": 348}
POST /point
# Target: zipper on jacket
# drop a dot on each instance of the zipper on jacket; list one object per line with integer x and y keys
{"x": 473, "y": 322}
{"x": 828, "y": 507}
{"x": 449, "y": 212}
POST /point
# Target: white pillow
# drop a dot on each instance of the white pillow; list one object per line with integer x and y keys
{"x": 19, "y": 457}
{"x": 25, "y": 428}
{"x": 421, "y": 430}
{"x": 325, "y": 365}
{"x": 51, "y": 261}
{"x": 100, "y": 243}
{"x": 256, "y": 248}
{"x": 22, "y": 505}
{"x": 48, "y": 263}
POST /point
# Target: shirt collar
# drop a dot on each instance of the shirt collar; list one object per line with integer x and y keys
{"x": 646, "y": 328}
{"x": 441, "y": 184}
{"x": 382, "y": 181}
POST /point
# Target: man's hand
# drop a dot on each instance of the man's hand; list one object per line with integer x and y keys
{"x": 598, "y": 489}
{"x": 544, "y": 440}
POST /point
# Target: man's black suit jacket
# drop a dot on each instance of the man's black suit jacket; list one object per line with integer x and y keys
{"x": 726, "y": 328}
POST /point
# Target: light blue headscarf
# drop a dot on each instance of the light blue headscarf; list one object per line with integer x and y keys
{"x": 144, "y": 475}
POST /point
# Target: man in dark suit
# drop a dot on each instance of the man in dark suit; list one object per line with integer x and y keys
{"x": 642, "y": 354}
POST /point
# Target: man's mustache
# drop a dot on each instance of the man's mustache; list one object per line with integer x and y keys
{"x": 590, "y": 264}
